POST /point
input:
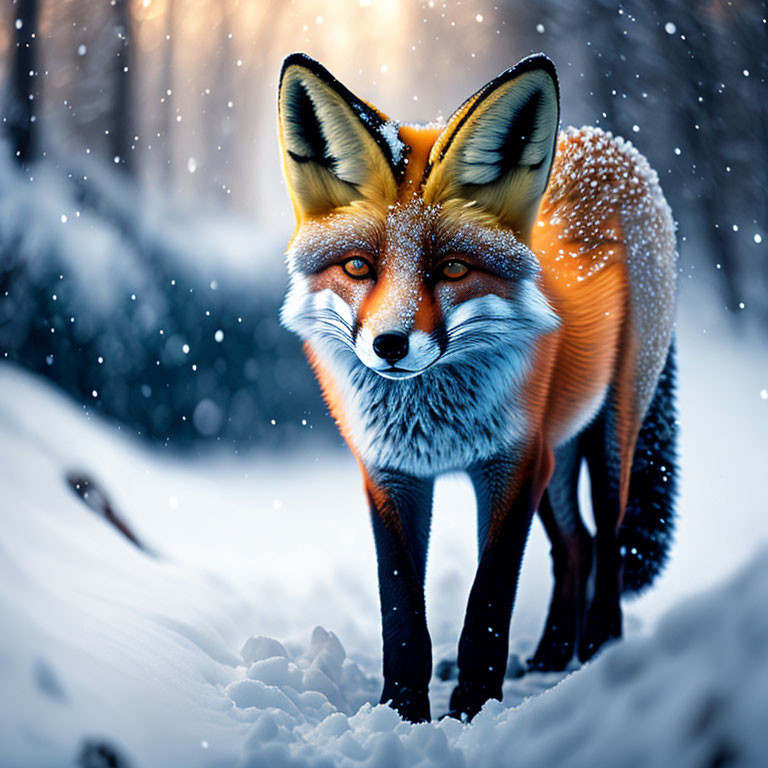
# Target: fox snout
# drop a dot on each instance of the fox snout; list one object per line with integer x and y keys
{"x": 396, "y": 354}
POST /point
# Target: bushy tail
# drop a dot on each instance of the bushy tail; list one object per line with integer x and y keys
{"x": 649, "y": 522}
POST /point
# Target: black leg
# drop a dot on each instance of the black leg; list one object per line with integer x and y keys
{"x": 504, "y": 517}
{"x": 603, "y": 620}
{"x": 571, "y": 562}
{"x": 401, "y": 509}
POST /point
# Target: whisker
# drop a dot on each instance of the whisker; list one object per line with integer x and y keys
{"x": 508, "y": 326}
{"x": 479, "y": 319}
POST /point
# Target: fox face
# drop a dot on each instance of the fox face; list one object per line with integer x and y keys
{"x": 411, "y": 291}
{"x": 411, "y": 251}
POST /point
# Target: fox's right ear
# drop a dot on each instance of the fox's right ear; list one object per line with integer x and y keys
{"x": 334, "y": 148}
{"x": 497, "y": 149}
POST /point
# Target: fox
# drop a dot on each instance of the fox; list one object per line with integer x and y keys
{"x": 493, "y": 296}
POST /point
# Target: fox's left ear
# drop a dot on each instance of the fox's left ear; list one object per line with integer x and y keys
{"x": 498, "y": 147}
{"x": 335, "y": 147}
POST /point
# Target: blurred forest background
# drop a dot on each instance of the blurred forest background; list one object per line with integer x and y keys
{"x": 143, "y": 215}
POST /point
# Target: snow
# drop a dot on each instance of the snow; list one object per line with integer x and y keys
{"x": 390, "y": 131}
{"x": 248, "y": 634}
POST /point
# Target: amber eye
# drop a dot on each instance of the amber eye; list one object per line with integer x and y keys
{"x": 453, "y": 270}
{"x": 357, "y": 268}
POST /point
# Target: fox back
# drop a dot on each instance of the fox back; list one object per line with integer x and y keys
{"x": 477, "y": 294}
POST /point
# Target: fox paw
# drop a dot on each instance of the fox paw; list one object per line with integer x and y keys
{"x": 554, "y": 652}
{"x": 467, "y": 699}
{"x": 601, "y": 627}
{"x": 410, "y": 704}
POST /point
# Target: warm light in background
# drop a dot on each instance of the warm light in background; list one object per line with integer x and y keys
{"x": 221, "y": 60}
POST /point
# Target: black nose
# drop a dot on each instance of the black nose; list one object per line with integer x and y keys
{"x": 391, "y": 346}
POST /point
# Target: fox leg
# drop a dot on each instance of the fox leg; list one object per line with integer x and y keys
{"x": 571, "y": 550}
{"x": 607, "y": 467}
{"x": 508, "y": 493}
{"x": 401, "y": 508}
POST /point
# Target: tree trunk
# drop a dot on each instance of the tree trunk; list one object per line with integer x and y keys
{"x": 167, "y": 84}
{"x": 218, "y": 149}
{"x": 713, "y": 143}
{"x": 23, "y": 90}
{"x": 607, "y": 76}
{"x": 121, "y": 130}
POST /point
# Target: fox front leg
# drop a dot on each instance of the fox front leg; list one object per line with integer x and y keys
{"x": 508, "y": 493}
{"x": 401, "y": 510}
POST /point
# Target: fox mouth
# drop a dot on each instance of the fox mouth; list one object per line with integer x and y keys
{"x": 393, "y": 372}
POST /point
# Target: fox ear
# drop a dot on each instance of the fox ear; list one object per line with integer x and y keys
{"x": 335, "y": 149}
{"x": 498, "y": 147}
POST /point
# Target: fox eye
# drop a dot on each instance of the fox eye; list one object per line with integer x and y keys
{"x": 453, "y": 269}
{"x": 357, "y": 267}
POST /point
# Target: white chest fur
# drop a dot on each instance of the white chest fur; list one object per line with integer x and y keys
{"x": 445, "y": 420}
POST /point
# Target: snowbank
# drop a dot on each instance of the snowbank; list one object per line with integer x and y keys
{"x": 693, "y": 694}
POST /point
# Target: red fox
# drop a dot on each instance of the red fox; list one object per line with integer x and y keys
{"x": 492, "y": 297}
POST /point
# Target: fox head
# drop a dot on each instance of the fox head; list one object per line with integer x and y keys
{"x": 412, "y": 242}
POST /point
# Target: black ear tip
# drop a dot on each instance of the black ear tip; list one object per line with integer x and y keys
{"x": 306, "y": 62}
{"x": 302, "y": 59}
{"x": 537, "y": 61}
{"x": 295, "y": 60}
{"x": 540, "y": 59}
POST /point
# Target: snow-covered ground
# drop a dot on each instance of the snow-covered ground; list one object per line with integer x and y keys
{"x": 249, "y": 634}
